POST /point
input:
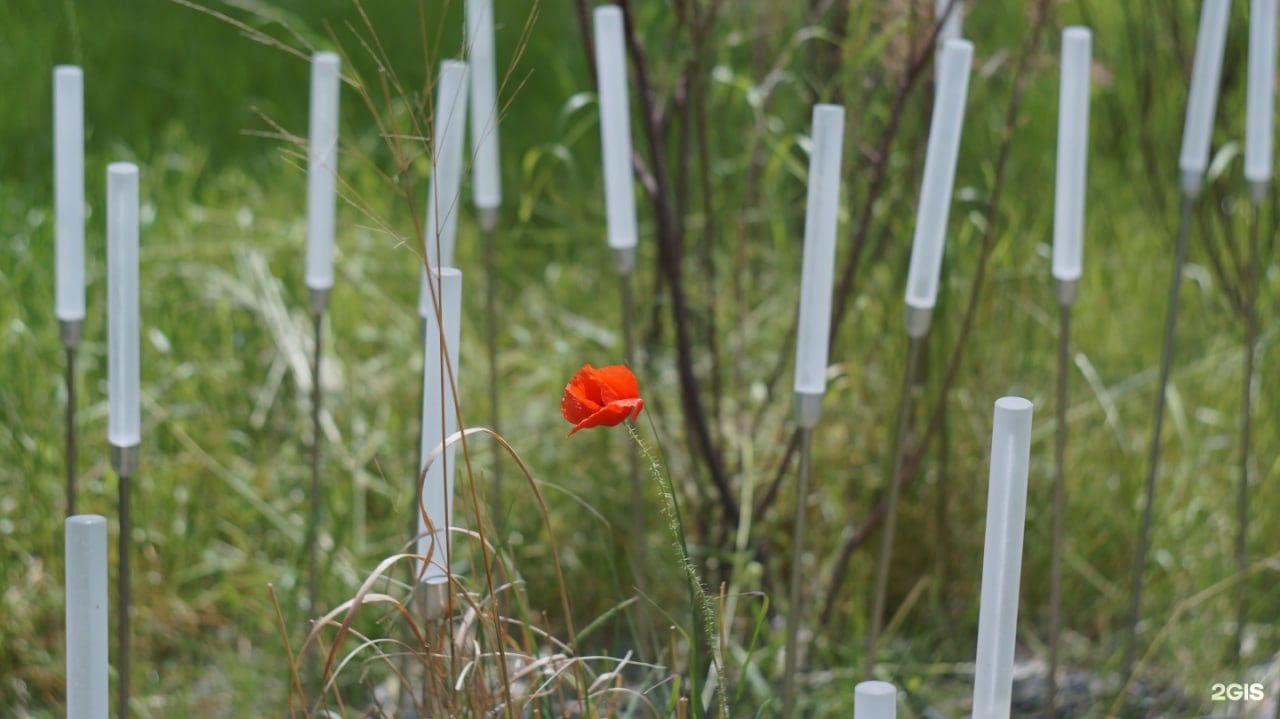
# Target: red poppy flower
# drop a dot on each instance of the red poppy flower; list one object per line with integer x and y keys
{"x": 601, "y": 397}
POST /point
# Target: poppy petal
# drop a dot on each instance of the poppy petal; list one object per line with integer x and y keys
{"x": 578, "y": 402}
{"x": 607, "y": 416}
{"x": 574, "y": 409}
{"x": 617, "y": 382}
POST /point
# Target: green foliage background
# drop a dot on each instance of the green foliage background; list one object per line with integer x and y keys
{"x": 220, "y": 500}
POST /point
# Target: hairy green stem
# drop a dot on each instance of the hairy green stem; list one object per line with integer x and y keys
{"x": 704, "y": 612}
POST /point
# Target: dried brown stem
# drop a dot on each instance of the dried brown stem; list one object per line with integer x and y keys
{"x": 670, "y": 254}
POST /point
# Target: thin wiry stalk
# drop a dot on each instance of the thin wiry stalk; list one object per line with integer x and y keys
{"x": 295, "y": 682}
{"x": 491, "y": 344}
{"x": 250, "y": 31}
{"x": 461, "y": 436}
{"x": 382, "y": 114}
{"x": 448, "y": 378}
{"x": 387, "y": 74}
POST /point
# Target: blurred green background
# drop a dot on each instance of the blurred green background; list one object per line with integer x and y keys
{"x": 220, "y": 501}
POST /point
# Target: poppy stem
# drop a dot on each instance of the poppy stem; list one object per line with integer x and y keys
{"x": 890, "y": 515}
{"x": 704, "y": 611}
{"x": 795, "y": 601}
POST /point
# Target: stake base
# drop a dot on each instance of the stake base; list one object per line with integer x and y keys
{"x": 124, "y": 460}
{"x": 1258, "y": 191}
{"x": 319, "y": 301}
{"x": 488, "y": 217}
{"x": 432, "y": 598}
{"x": 624, "y": 259}
{"x": 1190, "y": 183}
{"x": 1066, "y": 291}
{"x": 918, "y": 319}
{"x": 70, "y": 331}
{"x": 808, "y": 409}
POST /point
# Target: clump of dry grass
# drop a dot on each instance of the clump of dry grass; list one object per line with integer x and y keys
{"x": 476, "y": 649}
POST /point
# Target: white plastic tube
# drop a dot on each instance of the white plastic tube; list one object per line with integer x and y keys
{"x": 818, "y": 268}
{"x": 875, "y": 700}
{"x": 1073, "y": 153}
{"x": 124, "y": 422}
{"x": 68, "y": 194}
{"x": 1261, "y": 100}
{"x": 1002, "y": 558}
{"x": 446, "y": 175}
{"x": 615, "y": 127}
{"x": 439, "y": 421}
{"x": 486, "y": 174}
{"x": 322, "y": 170}
{"x": 939, "y": 177}
{"x": 86, "y": 587}
{"x": 1203, "y": 98}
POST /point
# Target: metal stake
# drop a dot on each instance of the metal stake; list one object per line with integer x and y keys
{"x": 806, "y": 405}
{"x": 319, "y": 303}
{"x": 313, "y": 530}
{"x": 1246, "y": 412}
{"x": 70, "y": 333}
{"x": 625, "y": 260}
{"x": 489, "y": 225}
{"x": 1166, "y": 361}
{"x": 432, "y": 600}
{"x": 125, "y": 462}
{"x": 886, "y": 543}
{"x": 1066, "y": 295}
